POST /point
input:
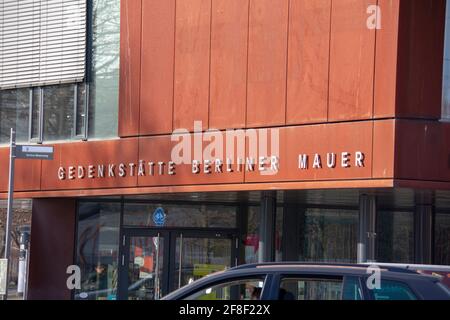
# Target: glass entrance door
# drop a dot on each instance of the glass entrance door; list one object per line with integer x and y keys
{"x": 157, "y": 262}
{"x": 197, "y": 255}
{"x": 145, "y": 267}
{"x": 144, "y": 255}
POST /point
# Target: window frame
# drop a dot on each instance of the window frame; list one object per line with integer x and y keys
{"x": 306, "y": 276}
{"x": 85, "y": 124}
{"x": 40, "y": 138}
{"x": 224, "y": 284}
{"x": 265, "y": 293}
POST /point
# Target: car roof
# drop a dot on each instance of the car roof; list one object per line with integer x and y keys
{"x": 332, "y": 268}
{"x": 320, "y": 269}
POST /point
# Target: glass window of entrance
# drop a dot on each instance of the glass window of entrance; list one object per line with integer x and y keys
{"x": 97, "y": 250}
{"x": 310, "y": 289}
{"x": 328, "y": 235}
{"x": 244, "y": 289}
{"x": 395, "y": 236}
{"x": 183, "y": 215}
{"x": 442, "y": 239}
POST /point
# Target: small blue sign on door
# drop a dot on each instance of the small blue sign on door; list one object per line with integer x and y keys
{"x": 159, "y": 217}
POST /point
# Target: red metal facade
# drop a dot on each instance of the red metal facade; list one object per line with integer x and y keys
{"x": 311, "y": 68}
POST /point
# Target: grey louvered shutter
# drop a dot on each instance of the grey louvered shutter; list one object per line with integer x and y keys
{"x": 42, "y": 42}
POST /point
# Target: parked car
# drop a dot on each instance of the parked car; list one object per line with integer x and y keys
{"x": 312, "y": 281}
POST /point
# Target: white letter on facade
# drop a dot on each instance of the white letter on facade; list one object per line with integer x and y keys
{"x": 111, "y": 168}
{"x": 91, "y": 172}
{"x": 331, "y": 160}
{"x": 195, "y": 167}
{"x": 122, "y": 170}
{"x": 218, "y": 166}
{"x": 141, "y": 169}
{"x": 161, "y": 168}
{"x": 359, "y": 162}
{"x": 262, "y": 163}
{"x": 71, "y": 173}
{"x": 81, "y": 172}
{"x": 249, "y": 164}
{"x": 229, "y": 165}
{"x": 345, "y": 160}
{"x": 317, "y": 162}
{"x": 132, "y": 165}
{"x": 151, "y": 170}
{"x": 171, "y": 168}
{"x": 101, "y": 171}
{"x": 303, "y": 161}
{"x": 207, "y": 166}
{"x": 61, "y": 173}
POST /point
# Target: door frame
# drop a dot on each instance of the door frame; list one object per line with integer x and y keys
{"x": 124, "y": 257}
{"x": 202, "y": 233}
{"x": 169, "y": 250}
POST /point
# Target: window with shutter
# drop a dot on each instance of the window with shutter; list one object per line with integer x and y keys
{"x": 59, "y": 69}
{"x": 43, "y": 42}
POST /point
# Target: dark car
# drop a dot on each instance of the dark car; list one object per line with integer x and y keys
{"x": 301, "y": 281}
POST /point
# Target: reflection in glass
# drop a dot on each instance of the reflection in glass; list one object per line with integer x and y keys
{"x": 442, "y": 239}
{"x": 395, "y": 237}
{"x": 279, "y": 234}
{"x": 310, "y": 289}
{"x": 81, "y": 118}
{"x": 251, "y": 243}
{"x": 246, "y": 289}
{"x": 98, "y": 250}
{"x": 145, "y": 268}
{"x": 58, "y": 112}
{"x": 328, "y": 235}
{"x": 393, "y": 290}
{"x": 200, "y": 216}
{"x": 35, "y": 113}
{"x": 14, "y": 113}
{"x": 104, "y": 73}
{"x": 199, "y": 257}
{"x": 21, "y": 228}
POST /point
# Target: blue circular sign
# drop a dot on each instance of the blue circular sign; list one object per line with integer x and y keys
{"x": 159, "y": 217}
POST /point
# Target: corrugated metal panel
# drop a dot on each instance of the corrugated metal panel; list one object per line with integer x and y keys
{"x": 42, "y": 42}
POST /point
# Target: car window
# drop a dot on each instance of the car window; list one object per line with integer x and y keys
{"x": 352, "y": 289}
{"x": 310, "y": 289}
{"x": 241, "y": 289}
{"x": 393, "y": 290}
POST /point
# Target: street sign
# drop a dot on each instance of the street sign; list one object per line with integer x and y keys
{"x": 34, "y": 152}
{"x": 16, "y": 152}
{"x": 3, "y": 272}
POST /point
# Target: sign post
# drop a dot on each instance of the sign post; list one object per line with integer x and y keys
{"x": 9, "y": 217}
{"x": 19, "y": 152}
{"x": 3, "y": 265}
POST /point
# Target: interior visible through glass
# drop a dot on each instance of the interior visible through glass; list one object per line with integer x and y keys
{"x": 98, "y": 250}
{"x": 199, "y": 257}
{"x": 145, "y": 268}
